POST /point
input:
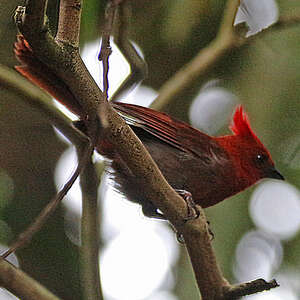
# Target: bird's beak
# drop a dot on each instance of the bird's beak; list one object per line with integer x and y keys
{"x": 273, "y": 173}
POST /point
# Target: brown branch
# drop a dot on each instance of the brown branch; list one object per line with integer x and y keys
{"x": 209, "y": 277}
{"x": 69, "y": 22}
{"x": 249, "y": 288}
{"x": 283, "y": 22}
{"x": 61, "y": 57}
{"x": 68, "y": 34}
{"x": 21, "y": 285}
{"x": 286, "y": 21}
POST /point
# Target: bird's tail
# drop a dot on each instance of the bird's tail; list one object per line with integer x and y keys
{"x": 41, "y": 75}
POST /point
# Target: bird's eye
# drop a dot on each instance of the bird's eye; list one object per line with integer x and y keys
{"x": 261, "y": 158}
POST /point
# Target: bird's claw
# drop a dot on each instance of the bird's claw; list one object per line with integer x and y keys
{"x": 192, "y": 210}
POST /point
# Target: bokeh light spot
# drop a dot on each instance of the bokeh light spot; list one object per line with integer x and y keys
{"x": 258, "y": 14}
{"x": 6, "y": 295}
{"x": 12, "y": 258}
{"x": 275, "y": 208}
{"x": 212, "y": 108}
{"x": 142, "y": 95}
{"x": 133, "y": 264}
{"x": 257, "y": 255}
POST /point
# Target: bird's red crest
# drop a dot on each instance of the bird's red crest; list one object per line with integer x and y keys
{"x": 240, "y": 123}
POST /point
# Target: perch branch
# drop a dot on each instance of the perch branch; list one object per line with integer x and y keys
{"x": 170, "y": 203}
{"x": 135, "y": 155}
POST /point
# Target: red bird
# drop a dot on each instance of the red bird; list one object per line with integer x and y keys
{"x": 210, "y": 168}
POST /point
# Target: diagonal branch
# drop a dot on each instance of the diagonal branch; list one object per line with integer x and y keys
{"x": 209, "y": 276}
{"x": 60, "y": 56}
{"x": 25, "y": 237}
{"x": 21, "y": 285}
{"x": 227, "y": 39}
{"x": 204, "y": 61}
{"x": 42, "y": 103}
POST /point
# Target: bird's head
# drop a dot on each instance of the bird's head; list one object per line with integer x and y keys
{"x": 250, "y": 157}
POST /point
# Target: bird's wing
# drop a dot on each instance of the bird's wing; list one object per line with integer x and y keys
{"x": 174, "y": 132}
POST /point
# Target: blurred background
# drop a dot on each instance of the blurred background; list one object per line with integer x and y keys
{"x": 256, "y": 232}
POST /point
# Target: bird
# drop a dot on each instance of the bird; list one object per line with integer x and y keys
{"x": 204, "y": 168}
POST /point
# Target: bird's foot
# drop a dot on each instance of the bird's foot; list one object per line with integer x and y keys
{"x": 192, "y": 210}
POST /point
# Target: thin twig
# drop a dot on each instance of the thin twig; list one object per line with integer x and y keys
{"x": 204, "y": 61}
{"x": 138, "y": 66}
{"x": 25, "y": 237}
{"x": 105, "y": 50}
